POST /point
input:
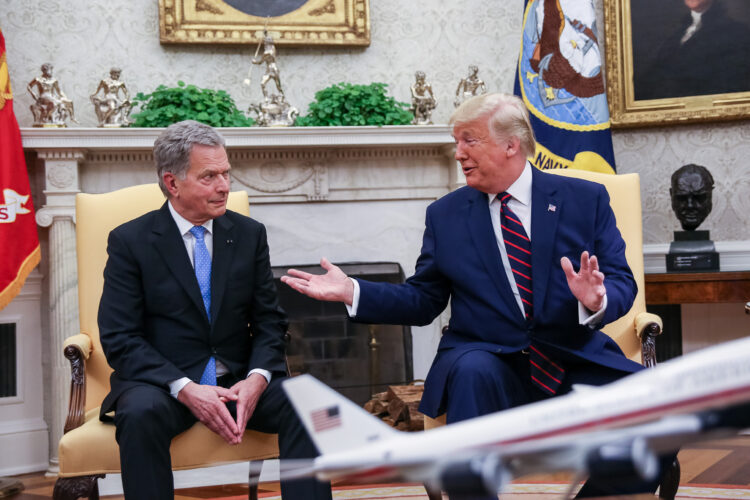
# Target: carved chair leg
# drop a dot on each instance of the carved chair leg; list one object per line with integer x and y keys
{"x": 670, "y": 481}
{"x": 432, "y": 494}
{"x": 73, "y": 488}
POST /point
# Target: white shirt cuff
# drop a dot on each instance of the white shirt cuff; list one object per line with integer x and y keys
{"x": 590, "y": 319}
{"x": 352, "y": 309}
{"x": 266, "y": 374}
{"x": 176, "y": 386}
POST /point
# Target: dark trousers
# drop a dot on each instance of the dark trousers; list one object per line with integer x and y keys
{"x": 148, "y": 417}
{"x": 482, "y": 382}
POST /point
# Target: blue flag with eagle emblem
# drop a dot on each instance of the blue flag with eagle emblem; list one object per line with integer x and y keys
{"x": 559, "y": 77}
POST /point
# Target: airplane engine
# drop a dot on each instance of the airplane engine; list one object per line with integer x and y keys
{"x": 734, "y": 417}
{"x": 623, "y": 461}
{"x": 478, "y": 476}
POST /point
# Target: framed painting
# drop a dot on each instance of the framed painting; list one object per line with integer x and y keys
{"x": 677, "y": 61}
{"x": 292, "y": 22}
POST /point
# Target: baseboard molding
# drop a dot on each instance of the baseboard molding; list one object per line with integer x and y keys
{"x": 23, "y": 469}
{"x": 28, "y": 440}
{"x": 734, "y": 256}
{"x": 20, "y": 426}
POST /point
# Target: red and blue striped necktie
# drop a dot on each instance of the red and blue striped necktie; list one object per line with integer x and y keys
{"x": 545, "y": 373}
{"x": 518, "y": 248}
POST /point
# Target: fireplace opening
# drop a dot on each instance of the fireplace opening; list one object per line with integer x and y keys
{"x": 8, "y": 382}
{"x": 358, "y": 360}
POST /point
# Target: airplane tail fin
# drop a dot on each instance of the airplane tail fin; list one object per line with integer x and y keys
{"x": 333, "y": 422}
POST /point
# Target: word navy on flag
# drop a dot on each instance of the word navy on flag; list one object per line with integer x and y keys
{"x": 326, "y": 418}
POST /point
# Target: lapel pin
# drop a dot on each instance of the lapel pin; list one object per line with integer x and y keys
{"x": 551, "y": 208}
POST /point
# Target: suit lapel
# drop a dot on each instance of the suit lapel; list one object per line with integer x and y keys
{"x": 170, "y": 245}
{"x": 545, "y": 213}
{"x": 483, "y": 236}
{"x": 223, "y": 254}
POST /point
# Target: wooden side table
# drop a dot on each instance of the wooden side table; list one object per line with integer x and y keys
{"x": 665, "y": 292}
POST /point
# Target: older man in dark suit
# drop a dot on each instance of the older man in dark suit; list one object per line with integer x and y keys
{"x": 190, "y": 322}
{"x": 504, "y": 251}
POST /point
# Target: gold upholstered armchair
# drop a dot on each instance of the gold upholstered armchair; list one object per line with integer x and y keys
{"x": 88, "y": 449}
{"x": 635, "y": 332}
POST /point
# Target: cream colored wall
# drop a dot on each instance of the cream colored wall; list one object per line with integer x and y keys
{"x": 83, "y": 38}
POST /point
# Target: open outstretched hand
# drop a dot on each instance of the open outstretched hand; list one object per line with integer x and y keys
{"x": 587, "y": 284}
{"x": 334, "y": 285}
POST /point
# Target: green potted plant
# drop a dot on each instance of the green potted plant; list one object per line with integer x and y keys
{"x": 168, "y": 105}
{"x": 355, "y": 105}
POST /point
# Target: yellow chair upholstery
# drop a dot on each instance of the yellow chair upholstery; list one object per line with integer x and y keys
{"x": 88, "y": 447}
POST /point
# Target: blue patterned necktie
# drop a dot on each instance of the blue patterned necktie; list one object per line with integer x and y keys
{"x": 202, "y": 262}
{"x": 545, "y": 373}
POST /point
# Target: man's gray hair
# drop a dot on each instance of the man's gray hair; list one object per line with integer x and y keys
{"x": 173, "y": 146}
{"x": 506, "y": 117}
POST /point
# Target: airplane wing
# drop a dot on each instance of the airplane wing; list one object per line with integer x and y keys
{"x": 619, "y": 454}
{"x": 357, "y": 446}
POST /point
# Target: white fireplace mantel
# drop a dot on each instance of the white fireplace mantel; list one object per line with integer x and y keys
{"x": 274, "y": 165}
{"x": 241, "y": 137}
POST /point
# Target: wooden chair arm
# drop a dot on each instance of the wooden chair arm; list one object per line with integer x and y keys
{"x": 80, "y": 341}
{"x": 648, "y": 326}
{"x": 77, "y": 349}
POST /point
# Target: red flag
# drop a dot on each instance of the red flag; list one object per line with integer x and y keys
{"x": 19, "y": 243}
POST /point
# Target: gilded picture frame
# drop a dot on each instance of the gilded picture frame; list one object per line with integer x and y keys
{"x": 291, "y": 22}
{"x": 643, "y": 85}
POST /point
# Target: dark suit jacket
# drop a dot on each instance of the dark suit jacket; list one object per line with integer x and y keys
{"x": 460, "y": 261}
{"x": 716, "y": 59}
{"x": 152, "y": 322}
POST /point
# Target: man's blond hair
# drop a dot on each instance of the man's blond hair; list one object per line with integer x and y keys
{"x": 506, "y": 117}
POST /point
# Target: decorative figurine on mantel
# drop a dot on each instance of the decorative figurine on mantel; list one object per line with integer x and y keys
{"x": 112, "y": 110}
{"x": 422, "y": 104}
{"x": 51, "y": 107}
{"x": 691, "y": 250}
{"x": 469, "y": 86}
{"x": 274, "y": 111}
{"x": 272, "y": 70}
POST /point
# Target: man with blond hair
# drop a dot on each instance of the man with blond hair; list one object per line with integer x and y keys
{"x": 504, "y": 251}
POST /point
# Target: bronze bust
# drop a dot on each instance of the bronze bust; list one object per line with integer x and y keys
{"x": 692, "y": 186}
{"x": 691, "y": 250}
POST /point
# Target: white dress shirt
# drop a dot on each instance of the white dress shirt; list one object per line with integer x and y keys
{"x": 184, "y": 226}
{"x": 520, "y": 204}
{"x": 690, "y": 31}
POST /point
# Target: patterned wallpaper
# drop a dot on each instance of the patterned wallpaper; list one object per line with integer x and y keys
{"x": 84, "y": 38}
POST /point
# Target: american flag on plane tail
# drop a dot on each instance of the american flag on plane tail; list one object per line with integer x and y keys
{"x": 326, "y": 418}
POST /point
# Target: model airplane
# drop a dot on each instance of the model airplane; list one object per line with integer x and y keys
{"x": 618, "y": 429}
